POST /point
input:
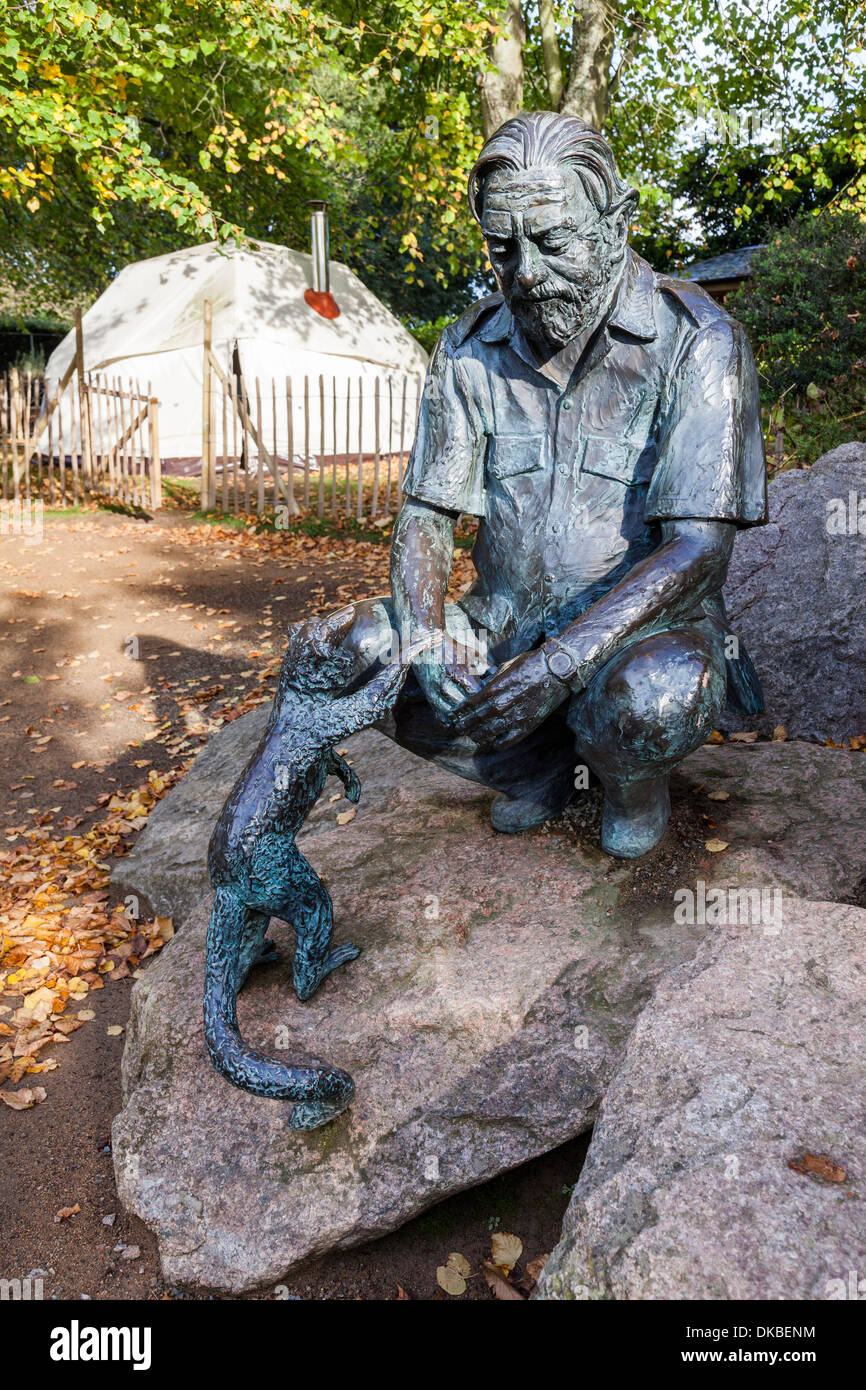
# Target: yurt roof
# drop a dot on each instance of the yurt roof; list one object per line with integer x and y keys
{"x": 257, "y": 293}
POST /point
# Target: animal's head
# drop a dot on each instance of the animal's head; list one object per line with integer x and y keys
{"x": 316, "y": 663}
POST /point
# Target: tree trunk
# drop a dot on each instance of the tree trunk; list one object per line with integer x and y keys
{"x": 550, "y": 52}
{"x": 502, "y": 90}
{"x": 592, "y": 36}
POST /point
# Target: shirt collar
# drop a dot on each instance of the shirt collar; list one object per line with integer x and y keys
{"x": 632, "y": 310}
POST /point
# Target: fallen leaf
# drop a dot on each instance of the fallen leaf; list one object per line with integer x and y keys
{"x": 65, "y": 1212}
{"x": 716, "y": 737}
{"x": 23, "y": 1099}
{"x": 449, "y": 1280}
{"x": 534, "y": 1268}
{"x": 344, "y": 817}
{"x": 780, "y": 733}
{"x": 744, "y": 736}
{"x": 453, "y": 1274}
{"x": 114, "y": 1030}
{"x": 716, "y": 846}
{"x": 820, "y": 1166}
{"x": 506, "y": 1249}
{"x": 719, "y": 796}
{"x": 499, "y": 1285}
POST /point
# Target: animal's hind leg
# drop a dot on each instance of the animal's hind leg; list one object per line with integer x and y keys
{"x": 312, "y": 916}
{"x": 253, "y": 946}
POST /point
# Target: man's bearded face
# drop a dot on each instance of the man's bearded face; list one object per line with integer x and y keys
{"x": 555, "y": 258}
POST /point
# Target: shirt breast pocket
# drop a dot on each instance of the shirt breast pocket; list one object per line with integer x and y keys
{"x": 621, "y": 462}
{"x": 510, "y": 455}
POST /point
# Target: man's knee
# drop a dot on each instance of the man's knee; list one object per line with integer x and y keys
{"x": 655, "y": 701}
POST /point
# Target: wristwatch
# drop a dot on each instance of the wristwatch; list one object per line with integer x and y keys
{"x": 560, "y": 662}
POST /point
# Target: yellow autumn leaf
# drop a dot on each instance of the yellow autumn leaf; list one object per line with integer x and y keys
{"x": 506, "y": 1249}
{"x": 716, "y": 846}
{"x": 451, "y": 1275}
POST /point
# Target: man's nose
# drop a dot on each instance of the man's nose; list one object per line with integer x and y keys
{"x": 530, "y": 268}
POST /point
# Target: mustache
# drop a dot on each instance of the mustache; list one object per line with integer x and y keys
{"x": 537, "y": 296}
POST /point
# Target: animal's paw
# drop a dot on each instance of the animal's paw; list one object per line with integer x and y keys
{"x": 269, "y": 953}
{"x": 307, "y": 978}
{"x": 340, "y": 955}
{"x": 310, "y": 1114}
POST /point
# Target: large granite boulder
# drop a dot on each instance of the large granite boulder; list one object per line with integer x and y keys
{"x": 796, "y": 593}
{"x": 728, "y": 1161}
{"x": 499, "y": 982}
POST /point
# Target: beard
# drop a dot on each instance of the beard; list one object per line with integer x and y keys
{"x": 560, "y": 309}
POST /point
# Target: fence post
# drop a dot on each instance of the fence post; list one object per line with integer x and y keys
{"x": 155, "y": 461}
{"x": 83, "y": 405}
{"x": 375, "y": 507}
{"x": 208, "y": 462}
{"x": 14, "y": 411}
{"x": 360, "y": 508}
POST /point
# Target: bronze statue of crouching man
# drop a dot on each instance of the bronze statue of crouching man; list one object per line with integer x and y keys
{"x": 602, "y": 422}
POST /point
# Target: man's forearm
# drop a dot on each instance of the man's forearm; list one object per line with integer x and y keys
{"x": 422, "y": 552}
{"x": 658, "y": 592}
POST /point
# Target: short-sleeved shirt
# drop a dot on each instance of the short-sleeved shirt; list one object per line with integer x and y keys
{"x": 660, "y": 420}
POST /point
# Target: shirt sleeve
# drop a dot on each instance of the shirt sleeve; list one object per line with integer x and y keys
{"x": 446, "y": 465}
{"x": 711, "y": 450}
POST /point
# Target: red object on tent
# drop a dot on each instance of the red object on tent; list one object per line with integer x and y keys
{"x": 323, "y": 302}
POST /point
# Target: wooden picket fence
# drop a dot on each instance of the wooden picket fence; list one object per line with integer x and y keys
{"x": 92, "y": 435}
{"x": 48, "y": 453}
{"x": 331, "y": 447}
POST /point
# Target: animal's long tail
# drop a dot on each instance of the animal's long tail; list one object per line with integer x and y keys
{"x": 319, "y": 1093}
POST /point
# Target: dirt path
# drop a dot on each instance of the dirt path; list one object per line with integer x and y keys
{"x": 123, "y": 645}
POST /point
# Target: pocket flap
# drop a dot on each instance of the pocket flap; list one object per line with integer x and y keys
{"x": 511, "y": 454}
{"x": 605, "y": 458}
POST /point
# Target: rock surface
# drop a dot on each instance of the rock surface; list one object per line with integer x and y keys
{"x": 481, "y": 1025}
{"x": 796, "y": 594}
{"x": 751, "y": 1056}
{"x": 499, "y": 982}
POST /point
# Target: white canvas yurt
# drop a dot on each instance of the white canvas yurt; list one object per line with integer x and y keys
{"x": 148, "y": 327}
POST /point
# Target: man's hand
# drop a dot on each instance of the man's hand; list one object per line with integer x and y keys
{"x": 513, "y": 703}
{"x": 446, "y": 676}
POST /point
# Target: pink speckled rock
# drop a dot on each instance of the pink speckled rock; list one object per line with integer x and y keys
{"x": 483, "y": 1023}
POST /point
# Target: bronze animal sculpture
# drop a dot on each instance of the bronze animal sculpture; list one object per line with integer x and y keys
{"x": 258, "y": 872}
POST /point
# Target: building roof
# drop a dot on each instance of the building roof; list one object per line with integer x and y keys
{"x": 733, "y": 265}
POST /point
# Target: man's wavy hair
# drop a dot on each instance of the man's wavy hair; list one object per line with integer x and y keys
{"x": 543, "y": 137}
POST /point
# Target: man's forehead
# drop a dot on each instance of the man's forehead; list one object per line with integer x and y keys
{"x": 541, "y": 197}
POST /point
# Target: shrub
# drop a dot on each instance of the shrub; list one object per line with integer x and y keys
{"x": 805, "y": 305}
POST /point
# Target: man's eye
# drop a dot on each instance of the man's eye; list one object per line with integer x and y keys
{"x": 554, "y": 242}
{"x": 498, "y": 248}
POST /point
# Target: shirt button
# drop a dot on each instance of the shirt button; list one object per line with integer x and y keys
{"x": 548, "y": 579}
{"x": 561, "y": 468}
{"x": 566, "y": 405}
{"x": 556, "y": 528}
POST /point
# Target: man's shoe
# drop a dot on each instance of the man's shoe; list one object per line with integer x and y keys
{"x": 511, "y": 815}
{"x": 633, "y": 829}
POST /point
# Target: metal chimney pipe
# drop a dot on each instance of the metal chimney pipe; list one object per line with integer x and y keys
{"x": 320, "y": 248}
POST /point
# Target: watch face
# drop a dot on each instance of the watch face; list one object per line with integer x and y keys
{"x": 560, "y": 664}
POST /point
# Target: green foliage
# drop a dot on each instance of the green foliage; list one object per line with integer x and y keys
{"x": 131, "y": 127}
{"x": 811, "y": 425}
{"x": 128, "y": 129}
{"x": 805, "y": 305}
{"x": 713, "y": 179}
{"x": 427, "y": 331}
